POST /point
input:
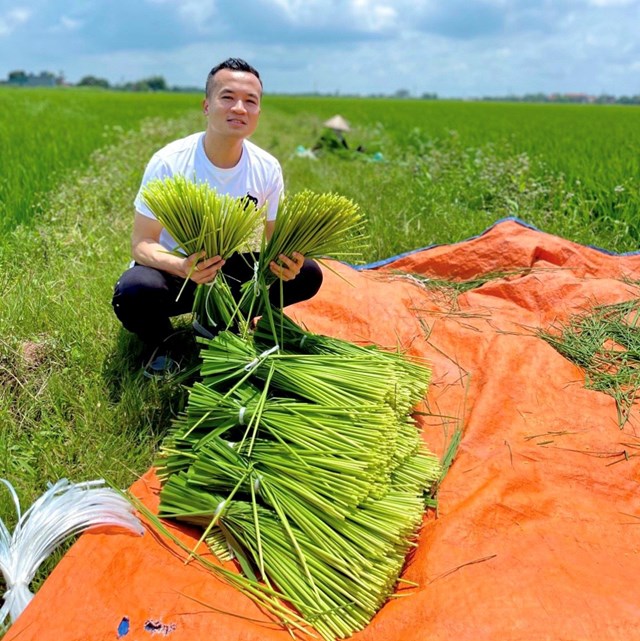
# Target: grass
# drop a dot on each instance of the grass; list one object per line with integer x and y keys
{"x": 450, "y": 169}
{"x": 72, "y": 402}
{"x": 605, "y": 344}
{"x": 591, "y": 147}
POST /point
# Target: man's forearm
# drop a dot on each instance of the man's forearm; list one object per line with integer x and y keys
{"x": 153, "y": 254}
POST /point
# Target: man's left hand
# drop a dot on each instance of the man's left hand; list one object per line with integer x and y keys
{"x": 288, "y": 268}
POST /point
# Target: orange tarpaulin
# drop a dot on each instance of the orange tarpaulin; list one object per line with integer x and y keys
{"x": 538, "y": 530}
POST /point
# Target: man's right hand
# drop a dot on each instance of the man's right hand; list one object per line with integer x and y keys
{"x": 147, "y": 250}
{"x": 200, "y": 269}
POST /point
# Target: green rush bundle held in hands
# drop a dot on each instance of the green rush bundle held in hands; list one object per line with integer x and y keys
{"x": 199, "y": 219}
{"x": 316, "y": 226}
{"x": 305, "y": 466}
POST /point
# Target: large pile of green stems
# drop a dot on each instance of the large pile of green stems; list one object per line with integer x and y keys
{"x": 298, "y": 456}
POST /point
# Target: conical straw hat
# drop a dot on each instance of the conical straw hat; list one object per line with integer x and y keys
{"x": 338, "y": 123}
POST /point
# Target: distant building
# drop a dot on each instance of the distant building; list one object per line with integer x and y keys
{"x": 43, "y": 79}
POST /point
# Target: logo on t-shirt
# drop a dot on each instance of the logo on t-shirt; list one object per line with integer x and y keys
{"x": 249, "y": 198}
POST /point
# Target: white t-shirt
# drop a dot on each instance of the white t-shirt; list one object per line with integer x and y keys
{"x": 257, "y": 175}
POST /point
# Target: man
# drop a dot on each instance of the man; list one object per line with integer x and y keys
{"x": 145, "y": 296}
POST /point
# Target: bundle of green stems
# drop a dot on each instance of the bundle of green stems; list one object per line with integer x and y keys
{"x": 411, "y": 374}
{"x": 337, "y": 589}
{"x": 315, "y": 225}
{"x": 313, "y": 376}
{"x": 199, "y": 219}
{"x": 296, "y": 453}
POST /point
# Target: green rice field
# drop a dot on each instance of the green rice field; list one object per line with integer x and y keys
{"x": 47, "y": 133}
{"x": 448, "y": 169}
{"x": 573, "y": 170}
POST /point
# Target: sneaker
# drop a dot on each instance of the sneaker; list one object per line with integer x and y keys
{"x": 162, "y": 366}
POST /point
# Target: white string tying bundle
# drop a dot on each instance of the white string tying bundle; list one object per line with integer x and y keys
{"x": 254, "y": 278}
{"x": 260, "y": 357}
{"x": 64, "y": 510}
{"x": 241, "y": 416}
{"x": 256, "y": 482}
{"x": 219, "y": 508}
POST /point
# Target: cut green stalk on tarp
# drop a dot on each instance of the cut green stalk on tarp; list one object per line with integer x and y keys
{"x": 605, "y": 344}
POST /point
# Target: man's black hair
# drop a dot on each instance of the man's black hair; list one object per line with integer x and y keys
{"x": 235, "y": 64}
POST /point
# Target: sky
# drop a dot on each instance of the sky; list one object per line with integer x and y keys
{"x": 454, "y": 48}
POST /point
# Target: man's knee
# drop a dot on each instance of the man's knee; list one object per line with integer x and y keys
{"x": 303, "y": 287}
{"x": 311, "y": 276}
{"x": 138, "y": 288}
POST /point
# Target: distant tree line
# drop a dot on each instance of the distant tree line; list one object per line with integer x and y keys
{"x": 43, "y": 79}
{"x": 152, "y": 83}
{"x": 573, "y": 98}
{"x": 21, "y": 78}
{"x": 158, "y": 83}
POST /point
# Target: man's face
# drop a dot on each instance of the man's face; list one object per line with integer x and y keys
{"x": 232, "y": 107}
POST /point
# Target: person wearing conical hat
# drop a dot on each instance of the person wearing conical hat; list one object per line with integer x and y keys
{"x": 332, "y": 138}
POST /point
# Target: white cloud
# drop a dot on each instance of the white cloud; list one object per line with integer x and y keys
{"x": 195, "y": 12}
{"x": 612, "y": 3}
{"x": 198, "y": 12}
{"x": 12, "y": 19}
{"x": 66, "y": 25}
{"x": 377, "y": 16}
{"x": 453, "y": 47}
{"x": 70, "y": 24}
{"x": 366, "y": 15}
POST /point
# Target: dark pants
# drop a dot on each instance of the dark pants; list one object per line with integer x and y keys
{"x": 144, "y": 298}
